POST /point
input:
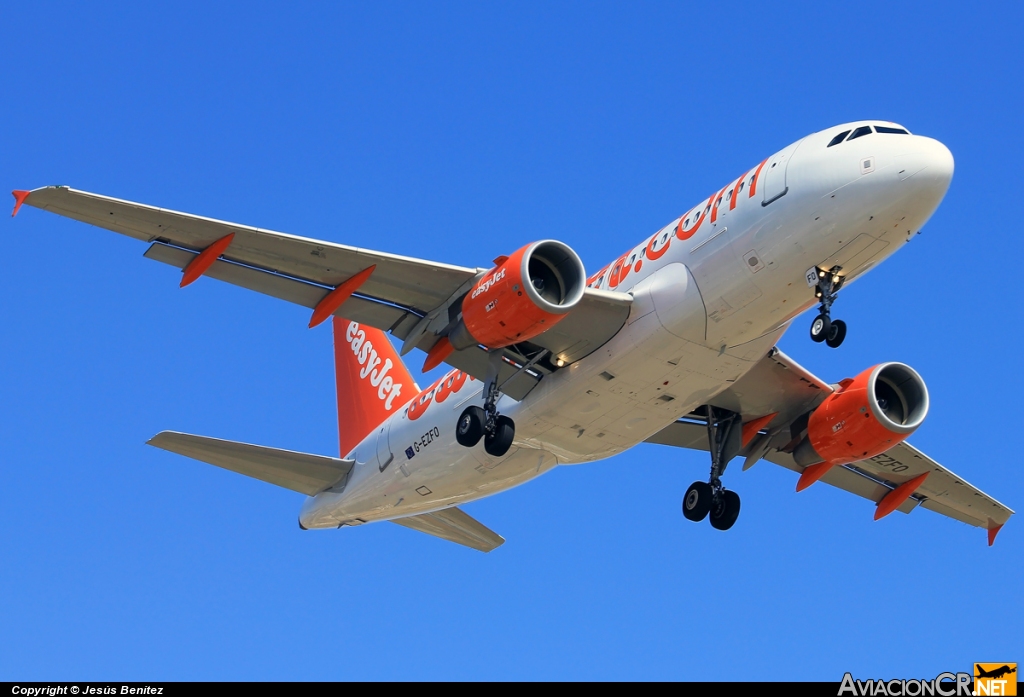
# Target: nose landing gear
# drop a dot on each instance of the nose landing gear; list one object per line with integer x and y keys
{"x": 475, "y": 422}
{"x": 826, "y": 285}
{"x": 710, "y": 499}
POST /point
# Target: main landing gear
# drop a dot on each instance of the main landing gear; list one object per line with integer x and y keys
{"x": 475, "y": 422}
{"x": 710, "y": 499}
{"x": 826, "y": 285}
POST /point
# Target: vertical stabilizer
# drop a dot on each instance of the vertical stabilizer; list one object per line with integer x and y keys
{"x": 373, "y": 382}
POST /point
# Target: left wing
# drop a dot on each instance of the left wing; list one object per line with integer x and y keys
{"x": 778, "y": 384}
{"x": 413, "y": 299}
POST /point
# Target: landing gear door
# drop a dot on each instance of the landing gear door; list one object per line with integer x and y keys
{"x": 384, "y": 455}
{"x": 774, "y": 173}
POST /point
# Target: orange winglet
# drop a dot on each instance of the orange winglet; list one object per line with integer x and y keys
{"x": 751, "y": 428}
{"x": 333, "y": 300}
{"x": 894, "y": 498}
{"x": 992, "y": 532}
{"x": 19, "y": 198}
{"x": 198, "y": 266}
{"x": 437, "y": 353}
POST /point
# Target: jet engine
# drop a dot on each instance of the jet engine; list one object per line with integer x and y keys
{"x": 526, "y": 294}
{"x": 866, "y": 416}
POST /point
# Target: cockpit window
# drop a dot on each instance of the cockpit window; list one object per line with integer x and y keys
{"x": 862, "y": 131}
{"x": 889, "y": 129}
{"x": 838, "y": 139}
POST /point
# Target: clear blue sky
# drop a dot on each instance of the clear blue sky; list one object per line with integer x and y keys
{"x": 458, "y": 132}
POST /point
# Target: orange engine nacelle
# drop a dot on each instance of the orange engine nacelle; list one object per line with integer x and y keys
{"x": 865, "y": 417}
{"x": 525, "y": 295}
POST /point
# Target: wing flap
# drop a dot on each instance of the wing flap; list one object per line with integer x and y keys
{"x": 456, "y": 526}
{"x": 302, "y": 472}
{"x": 383, "y": 316}
{"x": 682, "y": 434}
{"x": 401, "y": 280}
{"x": 942, "y": 491}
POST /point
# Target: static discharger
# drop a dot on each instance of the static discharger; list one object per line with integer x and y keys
{"x": 198, "y": 266}
{"x": 337, "y": 297}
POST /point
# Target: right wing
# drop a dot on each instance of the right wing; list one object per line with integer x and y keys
{"x": 778, "y": 384}
{"x": 942, "y": 492}
{"x": 454, "y": 525}
{"x": 413, "y": 299}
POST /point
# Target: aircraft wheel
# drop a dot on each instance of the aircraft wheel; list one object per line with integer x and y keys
{"x": 470, "y": 427}
{"x": 498, "y": 443}
{"x": 697, "y": 501}
{"x": 820, "y": 328}
{"x": 725, "y": 510}
{"x": 836, "y": 334}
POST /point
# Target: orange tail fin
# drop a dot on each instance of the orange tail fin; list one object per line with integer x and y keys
{"x": 373, "y": 382}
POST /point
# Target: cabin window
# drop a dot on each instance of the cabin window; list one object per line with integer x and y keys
{"x": 862, "y": 131}
{"x": 890, "y": 129}
{"x": 838, "y": 139}
{"x": 741, "y": 186}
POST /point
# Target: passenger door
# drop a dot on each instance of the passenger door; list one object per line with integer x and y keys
{"x": 774, "y": 178}
{"x": 384, "y": 455}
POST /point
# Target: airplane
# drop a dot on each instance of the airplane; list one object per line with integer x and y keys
{"x": 996, "y": 673}
{"x": 672, "y": 343}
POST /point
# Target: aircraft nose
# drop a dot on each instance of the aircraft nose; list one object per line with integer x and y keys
{"x": 927, "y": 163}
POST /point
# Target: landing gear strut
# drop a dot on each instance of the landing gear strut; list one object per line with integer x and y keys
{"x": 711, "y": 499}
{"x": 475, "y": 422}
{"x": 827, "y": 285}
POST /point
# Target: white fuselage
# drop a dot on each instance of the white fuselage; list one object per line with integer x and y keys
{"x": 713, "y": 292}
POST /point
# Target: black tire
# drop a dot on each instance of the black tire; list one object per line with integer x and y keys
{"x": 697, "y": 501}
{"x": 470, "y": 426}
{"x": 820, "y": 328}
{"x": 836, "y": 334}
{"x": 725, "y": 510}
{"x": 498, "y": 443}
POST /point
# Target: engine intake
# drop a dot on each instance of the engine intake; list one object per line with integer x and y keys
{"x": 525, "y": 295}
{"x": 865, "y": 417}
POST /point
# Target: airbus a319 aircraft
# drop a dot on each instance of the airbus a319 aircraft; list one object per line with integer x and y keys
{"x": 672, "y": 343}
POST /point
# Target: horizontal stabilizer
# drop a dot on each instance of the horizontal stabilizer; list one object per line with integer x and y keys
{"x": 307, "y": 474}
{"x": 455, "y": 526}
